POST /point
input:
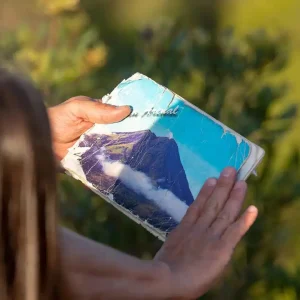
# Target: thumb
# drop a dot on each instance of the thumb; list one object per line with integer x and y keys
{"x": 99, "y": 113}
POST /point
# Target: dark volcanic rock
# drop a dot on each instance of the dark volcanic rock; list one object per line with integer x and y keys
{"x": 157, "y": 157}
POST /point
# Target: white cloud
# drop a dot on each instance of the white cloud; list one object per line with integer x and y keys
{"x": 141, "y": 184}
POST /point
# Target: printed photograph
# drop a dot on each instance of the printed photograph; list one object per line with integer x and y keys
{"x": 155, "y": 162}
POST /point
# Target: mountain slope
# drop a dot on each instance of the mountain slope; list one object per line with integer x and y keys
{"x": 158, "y": 160}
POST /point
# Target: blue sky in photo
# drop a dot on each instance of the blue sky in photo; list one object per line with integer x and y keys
{"x": 205, "y": 147}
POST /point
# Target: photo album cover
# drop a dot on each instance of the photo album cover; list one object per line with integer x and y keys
{"x": 152, "y": 165}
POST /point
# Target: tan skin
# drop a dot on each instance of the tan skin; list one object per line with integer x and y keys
{"x": 73, "y": 117}
{"x": 195, "y": 254}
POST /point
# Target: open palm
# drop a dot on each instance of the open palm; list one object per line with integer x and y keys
{"x": 198, "y": 250}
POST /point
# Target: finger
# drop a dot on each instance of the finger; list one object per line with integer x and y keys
{"x": 100, "y": 113}
{"x": 231, "y": 210}
{"x": 197, "y": 206}
{"x": 218, "y": 198}
{"x": 97, "y": 112}
{"x": 238, "y": 229}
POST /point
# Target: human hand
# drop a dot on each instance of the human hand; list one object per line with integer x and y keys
{"x": 196, "y": 253}
{"x": 73, "y": 117}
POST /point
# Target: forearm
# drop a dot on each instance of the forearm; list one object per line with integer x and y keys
{"x": 99, "y": 272}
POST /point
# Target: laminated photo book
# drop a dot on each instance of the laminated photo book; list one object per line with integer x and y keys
{"x": 152, "y": 165}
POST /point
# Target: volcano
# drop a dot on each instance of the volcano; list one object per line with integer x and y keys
{"x": 157, "y": 158}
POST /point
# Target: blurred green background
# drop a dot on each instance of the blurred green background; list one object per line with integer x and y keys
{"x": 238, "y": 60}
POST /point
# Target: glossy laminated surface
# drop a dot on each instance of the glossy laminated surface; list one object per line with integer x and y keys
{"x": 153, "y": 164}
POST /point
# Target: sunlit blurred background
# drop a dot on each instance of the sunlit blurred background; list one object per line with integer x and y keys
{"x": 238, "y": 60}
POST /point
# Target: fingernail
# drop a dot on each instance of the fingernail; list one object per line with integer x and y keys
{"x": 125, "y": 106}
{"x": 240, "y": 185}
{"x": 211, "y": 182}
{"x": 228, "y": 172}
{"x": 121, "y": 106}
{"x": 252, "y": 209}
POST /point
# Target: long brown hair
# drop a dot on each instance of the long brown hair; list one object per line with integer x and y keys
{"x": 29, "y": 256}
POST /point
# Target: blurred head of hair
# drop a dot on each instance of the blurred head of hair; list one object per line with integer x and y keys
{"x": 30, "y": 267}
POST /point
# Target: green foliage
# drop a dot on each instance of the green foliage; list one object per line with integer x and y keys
{"x": 225, "y": 76}
{"x": 60, "y": 55}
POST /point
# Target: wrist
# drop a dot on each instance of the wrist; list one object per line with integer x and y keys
{"x": 59, "y": 148}
{"x": 170, "y": 287}
{"x": 161, "y": 275}
{"x": 172, "y": 284}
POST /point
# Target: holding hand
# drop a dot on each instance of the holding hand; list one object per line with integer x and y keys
{"x": 73, "y": 117}
{"x": 198, "y": 250}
